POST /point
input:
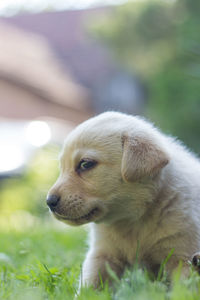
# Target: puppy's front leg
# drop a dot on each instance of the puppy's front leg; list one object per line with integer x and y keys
{"x": 95, "y": 268}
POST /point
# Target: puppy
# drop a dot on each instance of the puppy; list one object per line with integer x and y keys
{"x": 139, "y": 189}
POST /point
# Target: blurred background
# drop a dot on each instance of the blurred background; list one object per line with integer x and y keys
{"x": 62, "y": 62}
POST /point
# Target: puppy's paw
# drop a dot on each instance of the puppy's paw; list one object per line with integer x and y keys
{"x": 196, "y": 262}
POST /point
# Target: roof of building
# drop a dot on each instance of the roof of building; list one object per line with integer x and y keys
{"x": 26, "y": 60}
{"x": 68, "y": 32}
{"x": 87, "y": 60}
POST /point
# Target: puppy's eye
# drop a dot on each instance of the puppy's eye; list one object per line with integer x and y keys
{"x": 85, "y": 165}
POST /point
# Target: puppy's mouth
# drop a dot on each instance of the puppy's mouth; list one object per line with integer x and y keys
{"x": 92, "y": 215}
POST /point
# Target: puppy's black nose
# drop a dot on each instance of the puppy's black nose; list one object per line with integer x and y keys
{"x": 52, "y": 201}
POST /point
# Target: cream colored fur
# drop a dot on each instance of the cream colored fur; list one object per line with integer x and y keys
{"x": 146, "y": 191}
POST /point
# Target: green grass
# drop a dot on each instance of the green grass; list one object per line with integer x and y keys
{"x": 44, "y": 263}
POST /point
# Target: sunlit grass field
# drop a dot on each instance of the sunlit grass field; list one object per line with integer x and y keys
{"x": 45, "y": 263}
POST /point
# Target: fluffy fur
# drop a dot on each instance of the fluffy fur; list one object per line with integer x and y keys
{"x": 144, "y": 191}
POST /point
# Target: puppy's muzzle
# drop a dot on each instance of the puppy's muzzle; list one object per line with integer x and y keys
{"x": 52, "y": 201}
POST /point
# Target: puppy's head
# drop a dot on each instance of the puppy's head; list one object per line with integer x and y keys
{"x": 107, "y": 167}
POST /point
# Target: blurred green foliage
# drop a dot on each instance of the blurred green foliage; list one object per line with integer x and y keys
{"x": 160, "y": 41}
{"x": 45, "y": 263}
{"x": 28, "y": 191}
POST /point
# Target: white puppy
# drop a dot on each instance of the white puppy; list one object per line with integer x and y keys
{"x": 138, "y": 187}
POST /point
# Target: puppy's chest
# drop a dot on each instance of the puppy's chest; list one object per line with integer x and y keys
{"x": 130, "y": 245}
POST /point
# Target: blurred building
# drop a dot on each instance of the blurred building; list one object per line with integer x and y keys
{"x": 52, "y": 69}
{"x": 33, "y": 83}
{"x": 70, "y": 38}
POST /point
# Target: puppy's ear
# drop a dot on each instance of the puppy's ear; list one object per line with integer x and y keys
{"x": 141, "y": 157}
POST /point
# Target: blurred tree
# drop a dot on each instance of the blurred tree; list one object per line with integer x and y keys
{"x": 160, "y": 40}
